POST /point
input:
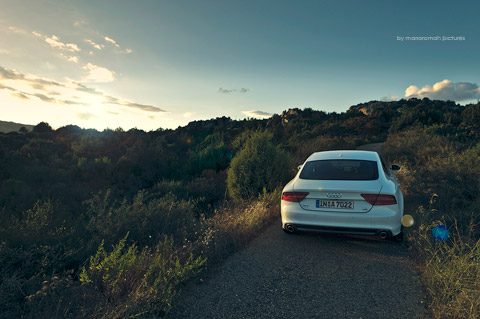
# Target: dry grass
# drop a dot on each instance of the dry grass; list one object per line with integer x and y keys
{"x": 129, "y": 281}
{"x": 233, "y": 226}
{"x": 450, "y": 271}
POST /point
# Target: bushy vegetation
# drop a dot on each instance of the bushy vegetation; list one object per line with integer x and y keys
{"x": 441, "y": 179}
{"x": 258, "y": 165}
{"x": 189, "y": 197}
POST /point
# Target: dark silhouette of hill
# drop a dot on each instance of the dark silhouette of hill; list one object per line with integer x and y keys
{"x": 6, "y": 127}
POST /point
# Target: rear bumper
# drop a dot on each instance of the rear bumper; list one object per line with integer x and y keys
{"x": 379, "y": 218}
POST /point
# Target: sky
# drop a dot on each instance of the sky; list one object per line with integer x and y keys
{"x": 152, "y": 64}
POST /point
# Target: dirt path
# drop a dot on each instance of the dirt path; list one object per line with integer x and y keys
{"x": 309, "y": 275}
{"x": 376, "y": 147}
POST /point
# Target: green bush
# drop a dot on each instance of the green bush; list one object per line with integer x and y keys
{"x": 139, "y": 282}
{"x": 146, "y": 218}
{"x": 259, "y": 164}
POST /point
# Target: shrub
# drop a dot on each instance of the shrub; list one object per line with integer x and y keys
{"x": 232, "y": 226}
{"x": 451, "y": 268}
{"x": 451, "y": 172}
{"x": 146, "y": 218}
{"x": 259, "y": 164}
{"x": 139, "y": 282}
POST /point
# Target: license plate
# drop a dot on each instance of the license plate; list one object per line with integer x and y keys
{"x": 336, "y": 204}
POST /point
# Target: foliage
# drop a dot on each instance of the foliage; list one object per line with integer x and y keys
{"x": 257, "y": 165}
{"x": 142, "y": 281}
{"x": 146, "y": 218}
{"x": 234, "y": 225}
{"x": 445, "y": 177}
{"x": 450, "y": 269}
{"x": 65, "y": 191}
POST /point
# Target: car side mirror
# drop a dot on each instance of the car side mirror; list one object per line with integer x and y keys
{"x": 300, "y": 167}
{"x": 395, "y": 168}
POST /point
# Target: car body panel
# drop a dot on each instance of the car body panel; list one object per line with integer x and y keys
{"x": 349, "y": 190}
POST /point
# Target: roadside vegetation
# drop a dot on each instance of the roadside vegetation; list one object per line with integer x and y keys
{"x": 114, "y": 224}
{"x": 441, "y": 181}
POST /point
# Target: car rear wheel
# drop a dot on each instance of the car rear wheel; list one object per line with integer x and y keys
{"x": 397, "y": 238}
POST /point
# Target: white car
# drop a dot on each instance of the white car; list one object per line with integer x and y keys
{"x": 344, "y": 192}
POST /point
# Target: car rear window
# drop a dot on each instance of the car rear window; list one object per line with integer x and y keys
{"x": 353, "y": 170}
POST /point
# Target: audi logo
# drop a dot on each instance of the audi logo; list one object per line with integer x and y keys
{"x": 334, "y": 195}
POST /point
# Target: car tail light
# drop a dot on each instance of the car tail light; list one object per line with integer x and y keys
{"x": 294, "y": 196}
{"x": 375, "y": 199}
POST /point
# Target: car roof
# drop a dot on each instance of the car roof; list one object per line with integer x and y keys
{"x": 344, "y": 154}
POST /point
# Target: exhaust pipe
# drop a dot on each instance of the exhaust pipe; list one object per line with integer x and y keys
{"x": 383, "y": 234}
{"x": 290, "y": 228}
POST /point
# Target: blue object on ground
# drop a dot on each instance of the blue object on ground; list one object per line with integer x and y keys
{"x": 440, "y": 232}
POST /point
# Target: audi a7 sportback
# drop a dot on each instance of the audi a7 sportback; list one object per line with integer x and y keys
{"x": 344, "y": 192}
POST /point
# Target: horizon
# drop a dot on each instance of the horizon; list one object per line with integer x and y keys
{"x": 161, "y": 64}
{"x": 242, "y": 119}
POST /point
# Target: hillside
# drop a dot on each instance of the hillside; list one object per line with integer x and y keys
{"x": 6, "y": 127}
{"x": 163, "y": 200}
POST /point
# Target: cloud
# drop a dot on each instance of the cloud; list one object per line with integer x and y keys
{"x": 21, "y": 96}
{"x": 71, "y": 92}
{"x": 10, "y": 74}
{"x": 143, "y": 107}
{"x": 389, "y": 98}
{"x": 85, "y": 116}
{"x": 36, "y": 83}
{"x": 95, "y": 45}
{"x": 445, "y": 90}
{"x": 73, "y": 59}
{"x": 257, "y": 114}
{"x": 4, "y": 51}
{"x": 55, "y": 42}
{"x": 188, "y": 114}
{"x": 226, "y": 91}
{"x": 82, "y": 88}
{"x": 110, "y": 40}
{"x": 45, "y": 98}
{"x": 17, "y": 30}
{"x": 98, "y": 74}
{"x": 38, "y": 35}
{"x": 79, "y": 23}
{"x": 4, "y": 87}
{"x": 70, "y": 58}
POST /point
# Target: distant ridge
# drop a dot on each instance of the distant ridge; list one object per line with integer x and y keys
{"x": 6, "y": 127}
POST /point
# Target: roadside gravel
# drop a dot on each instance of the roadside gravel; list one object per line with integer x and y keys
{"x": 309, "y": 275}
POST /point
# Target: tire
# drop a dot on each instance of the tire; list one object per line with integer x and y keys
{"x": 397, "y": 238}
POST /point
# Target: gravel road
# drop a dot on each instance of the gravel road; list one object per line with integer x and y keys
{"x": 309, "y": 275}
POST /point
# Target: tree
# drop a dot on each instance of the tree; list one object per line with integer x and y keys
{"x": 23, "y": 130}
{"x": 258, "y": 165}
{"x": 42, "y": 127}
{"x": 471, "y": 114}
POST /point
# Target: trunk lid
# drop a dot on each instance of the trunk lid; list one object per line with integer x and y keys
{"x": 337, "y": 195}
